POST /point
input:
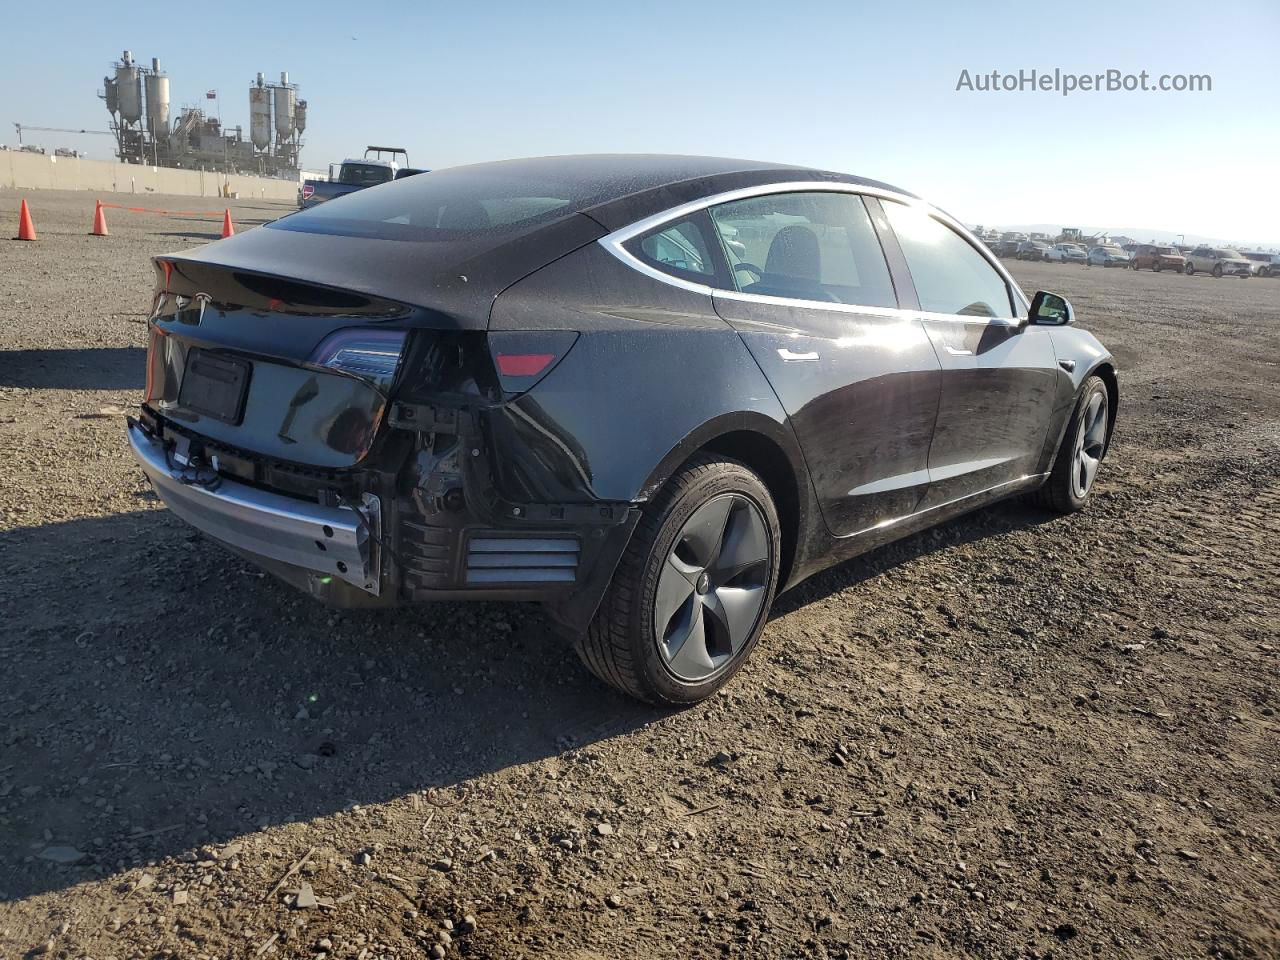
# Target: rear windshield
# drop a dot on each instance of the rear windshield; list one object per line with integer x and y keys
{"x": 446, "y": 205}
{"x": 364, "y": 173}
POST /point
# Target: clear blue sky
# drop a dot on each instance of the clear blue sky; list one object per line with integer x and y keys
{"x": 864, "y": 88}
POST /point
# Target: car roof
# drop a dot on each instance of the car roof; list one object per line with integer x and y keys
{"x": 626, "y": 187}
{"x": 620, "y": 174}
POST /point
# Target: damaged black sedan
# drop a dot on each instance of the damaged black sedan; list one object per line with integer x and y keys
{"x": 649, "y": 392}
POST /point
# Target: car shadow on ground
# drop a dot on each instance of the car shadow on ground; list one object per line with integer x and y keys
{"x": 87, "y": 368}
{"x": 1001, "y": 518}
{"x": 237, "y": 220}
{"x": 163, "y": 695}
{"x": 160, "y": 694}
{"x": 190, "y": 234}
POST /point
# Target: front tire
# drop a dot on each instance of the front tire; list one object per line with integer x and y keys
{"x": 1217, "y": 271}
{"x": 1189, "y": 270}
{"x": 1084, "y": 443}
{"x": 692, "y": 592}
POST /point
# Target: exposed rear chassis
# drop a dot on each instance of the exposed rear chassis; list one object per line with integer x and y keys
{"x": 339, "y": 542}
{"x": 401, "y": 545}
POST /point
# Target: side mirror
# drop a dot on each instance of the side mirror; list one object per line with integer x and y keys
{"x": 1051, "y": 310}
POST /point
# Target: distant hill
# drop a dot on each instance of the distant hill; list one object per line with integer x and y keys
{"x": 1141, "y": 234}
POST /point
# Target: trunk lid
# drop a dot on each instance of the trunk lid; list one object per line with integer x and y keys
{"x": 455, "y": 279}
{"x": 239, "y": 329}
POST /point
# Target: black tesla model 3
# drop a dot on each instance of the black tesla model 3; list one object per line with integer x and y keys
{"x": 647, "y": 391}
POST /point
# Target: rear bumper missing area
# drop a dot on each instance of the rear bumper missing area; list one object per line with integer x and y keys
{"x": 336, "y": 542}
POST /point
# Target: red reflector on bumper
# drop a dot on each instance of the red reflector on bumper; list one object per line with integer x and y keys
{"x": 523, "y": 364}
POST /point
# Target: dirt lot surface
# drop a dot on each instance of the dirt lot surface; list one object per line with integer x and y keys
{"x": 1019, "y": 735}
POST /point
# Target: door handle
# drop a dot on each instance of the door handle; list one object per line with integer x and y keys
{"x": 958, "y": 353}
{"x": 786, "y": 354}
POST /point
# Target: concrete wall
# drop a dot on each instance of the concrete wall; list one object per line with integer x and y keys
{"x": 33, "y": 171}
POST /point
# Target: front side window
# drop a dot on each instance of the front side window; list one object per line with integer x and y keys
{"x": 950, "y": 276}
{"x": 805, "y": 246}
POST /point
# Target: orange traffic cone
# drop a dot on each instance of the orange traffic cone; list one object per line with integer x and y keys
{"x": 26, "y": 229}
{"x": 99, "y": 221}
{"x": 228, "y": 229}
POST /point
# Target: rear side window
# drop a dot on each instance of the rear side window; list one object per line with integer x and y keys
{"x": 950, "y": 276}
{"x": 807, "y": 246}
{"x": 679, "y": 249}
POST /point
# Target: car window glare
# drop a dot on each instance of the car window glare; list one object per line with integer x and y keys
{"x": 949, "y": 274}
{"x": 443, "y": 205}
{"x": 807, "y": 246}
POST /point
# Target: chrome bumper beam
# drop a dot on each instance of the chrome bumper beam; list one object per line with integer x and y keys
{"x": 330, "y": 541}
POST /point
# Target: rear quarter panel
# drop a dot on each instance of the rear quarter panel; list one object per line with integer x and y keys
{"x": 654, "y": 375}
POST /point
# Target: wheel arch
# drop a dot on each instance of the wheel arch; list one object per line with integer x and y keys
{"x": 1106, "y": 370}
{"x": 767, "y": 448}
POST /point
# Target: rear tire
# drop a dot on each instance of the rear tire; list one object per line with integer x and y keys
{"x": 1217, "y": 270}
{"x": 1189, "y": 270}
{"x": 682, "y": 614}
{"x": 1084, "y": 443}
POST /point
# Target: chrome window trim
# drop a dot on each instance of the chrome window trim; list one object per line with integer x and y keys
{"x": 616, "y": 241}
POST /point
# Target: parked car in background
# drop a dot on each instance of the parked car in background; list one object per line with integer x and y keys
{"x": 1156, "y": 257}
{"x": 1005, "y": 248}
{"x": 1067, "y": 253}
{"x": 552, "y": 380}
{"x": 1108, "y": 256}
{"x": 1219, "y": 261}
{"x": 1264, "y": 264}
{"x": 1032, "y": 250}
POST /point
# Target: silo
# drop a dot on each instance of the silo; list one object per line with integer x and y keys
{"x": 157, "y": 101}
{"x": 284, "y": 97}
{"x": 109, "y": 94}
{"x": 300, "y": 117}
{"x": 260, "y": 115}
{"x": 129, "y": 89}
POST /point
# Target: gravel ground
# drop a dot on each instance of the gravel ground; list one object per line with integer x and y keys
{"x": 1018, "y": 735}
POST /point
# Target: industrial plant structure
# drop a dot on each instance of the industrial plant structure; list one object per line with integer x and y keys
{"x": 137, "y": 98}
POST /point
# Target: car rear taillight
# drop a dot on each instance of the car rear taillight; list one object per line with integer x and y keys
{"x": 372, "y": 355}
{"x": 523, "y": 358}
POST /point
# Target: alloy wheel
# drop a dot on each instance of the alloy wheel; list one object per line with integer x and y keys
{"x": 712, "y": 587}
{"x": 1091, "y": 440}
